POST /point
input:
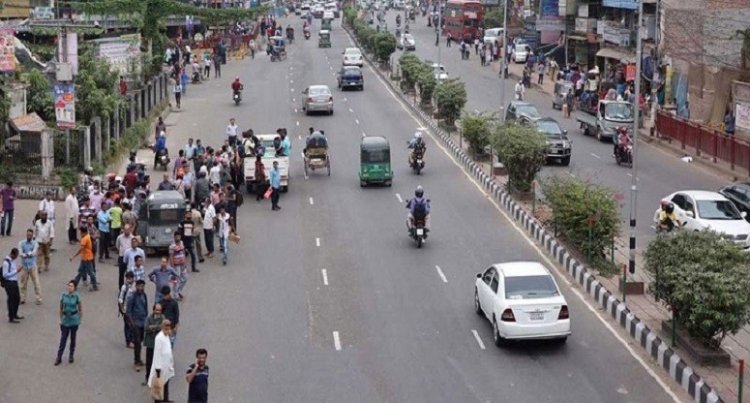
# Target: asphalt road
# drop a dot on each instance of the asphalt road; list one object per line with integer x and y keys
{"x": 328, "y": 299}
{"x": 659, "y": 173}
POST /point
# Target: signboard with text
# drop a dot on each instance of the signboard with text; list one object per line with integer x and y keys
{"x": 742, "y": 115}
{"x": 626, "y": 4}
{"x": 65, "y": 105}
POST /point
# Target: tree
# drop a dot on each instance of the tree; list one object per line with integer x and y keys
{"x": 494, "y": 18}
{"x": 704, "y": 279}
{"x": 427, "y": 83}
{"x": 451, "y": 98}
{"x": 585, "y": 214}
{"x": 523, "y": 151}
{"x": 39, "y": 97}
{"x": 745, "y": 50}
{"x": 96, "y": 87}
{"x": 409, "y": 70}
{"x": 385, "y": 45}
{"x": 477, "y": 129}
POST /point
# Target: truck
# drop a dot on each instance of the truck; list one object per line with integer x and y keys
{"x": 602, "y": 120}
{"x": 268, "y": 159}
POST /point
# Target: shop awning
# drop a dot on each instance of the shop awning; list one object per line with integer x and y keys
{"x": 610, "y": 53}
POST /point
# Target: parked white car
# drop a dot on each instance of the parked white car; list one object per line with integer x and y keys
{"x": 407, "y": 42}
{"x": 492, "y": 34}
{"x": 704, "y": 210}
{"x": 440, "y": 72}
{"x": 353, "y": 57}
{"x": 522, "y": 301}
{"x": 520, "y": 53}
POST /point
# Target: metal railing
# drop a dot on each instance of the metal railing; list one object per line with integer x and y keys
{"x": 704, "y": 140}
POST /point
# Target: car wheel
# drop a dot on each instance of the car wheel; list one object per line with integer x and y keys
{"x": 477, "y": 305}
{"x": 599, "y": 133}
{"x": 499, "y": 340}
{"x": 565, "y": 161}
{"x": 331, "y": 112}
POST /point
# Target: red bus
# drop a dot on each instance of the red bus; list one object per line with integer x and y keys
{"x": 463, "y": 19}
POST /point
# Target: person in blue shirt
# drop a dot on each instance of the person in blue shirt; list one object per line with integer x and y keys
{"x": 286, "y": 145}
{"x": 275, "y": 177}
{"x": 28, "y": 249}
{"x": 419, "y": 208}
{"x": 103, "y": 221}
{"x": 729, "y": 123}
{"x": 137, "y": 312}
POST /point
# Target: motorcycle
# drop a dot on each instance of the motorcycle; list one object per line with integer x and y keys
{"x": 417, "y": 162}
{"x": 161, "y": 159}
{"x": 307, "y": 35}
{"x": 418, "y": 232}
{"x": 237, "y": 97}
{"x": 623, "y": 154}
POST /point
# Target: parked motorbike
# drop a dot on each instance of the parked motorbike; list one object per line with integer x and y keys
{"x": 161, "y": 159}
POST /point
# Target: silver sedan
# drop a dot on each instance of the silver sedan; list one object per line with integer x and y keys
{"x": 317, "y": 98}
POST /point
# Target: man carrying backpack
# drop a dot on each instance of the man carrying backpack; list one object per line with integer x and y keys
{"x": 419, "y": 209}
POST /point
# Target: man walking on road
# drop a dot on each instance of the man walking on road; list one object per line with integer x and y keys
{"x": 225, "y": 227}
{"x": 122, "y": 298}
{"x": 123, "y": 243}
{"x": 178, "y": 260}
{"x": 132, "y": 253}
{"x": 71, "y": 212}
{"x": 187, "y": 230}
{"x": 197, "y": 219}
{"x": 232, "y": 131}
{"x": 209, "y": 218}
{"x": 163, "y": 365}
{"x": 103, "y": 220}
{"x": 48, "y": 205}
{"x": 151, "y": 329}
{"x": 10, "y": 283}
{"x": 28, "y": 249}
{"x": 171, "y": 310}
{"x": 44, "y": 232}
{"x": 8, "y": 194}
{"x": 86, "y": 268}
{"x": 162, "y": 277}
{"x": 275, "y": 186}
{"x": 137, "y": 312}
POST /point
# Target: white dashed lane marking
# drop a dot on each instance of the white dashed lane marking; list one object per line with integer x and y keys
{"x": 324, "y": 272}
{"x": 317, "y": 242}
{"x": 440, "y": 273}
{"x": 398, "y": 196}
{"x": 336, "y": 341}
{"x": 478, "y": 339}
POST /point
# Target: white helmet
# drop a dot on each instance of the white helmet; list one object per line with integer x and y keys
{"x": 418, "y": 135}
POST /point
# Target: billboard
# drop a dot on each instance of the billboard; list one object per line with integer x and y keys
{"x": 7, "y": 50}
{"x": 65, "y": 105}
{"x": 121, "y": 52}
{"x": 626, "y": 4}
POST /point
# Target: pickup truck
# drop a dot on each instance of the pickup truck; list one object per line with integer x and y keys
{"x": 602, "y": 120}
{"x": 268, "y": 158}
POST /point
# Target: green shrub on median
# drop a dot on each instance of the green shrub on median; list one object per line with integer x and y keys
{"x": 451, "y": 98}
{"x": 523, "y": 151}
{"x": 477, "y": 128}
{"x": 384, "y": 46}
{"x": 585, "y": 214}
{"x": 705, "y": 279}
{"x": 410, "y": 66}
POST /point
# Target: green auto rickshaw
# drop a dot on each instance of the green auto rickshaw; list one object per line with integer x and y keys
{"x": 324, "y": 39}
{"x": 159, "y": 216}
{"x": 325, "y": 24}
{"x": 375, "y": 161}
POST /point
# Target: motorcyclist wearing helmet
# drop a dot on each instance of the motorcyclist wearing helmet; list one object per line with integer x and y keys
{"x": 419, "y": 208}
{"x": 667, "y": 220}
{"x": 417, "y": 146}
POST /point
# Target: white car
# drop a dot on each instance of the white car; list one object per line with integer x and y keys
{"x": 317, "y": 98}
{"x": 703, "y": 210}
{"x": 440, "y": 72}
{"x": 492, "y": 34}
{"x": 520, "y": 53}
{"x": 353, "y": 57}
{"x": 407, "y": 42}
{"x": 523, "y": 301}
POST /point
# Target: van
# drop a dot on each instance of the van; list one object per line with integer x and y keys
{"x": 492, "y": 34}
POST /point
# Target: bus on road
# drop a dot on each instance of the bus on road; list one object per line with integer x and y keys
{"x": 463, "y": 19}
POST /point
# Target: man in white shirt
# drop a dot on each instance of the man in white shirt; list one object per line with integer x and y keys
{"x": 225, "y": 227}
{"x": 132, "y": 253}
{"x": 214, "y": 174}
{"x": 123, "y": 243}
{"x": 163, "y": 361}
{"x": 208, "y": 227}
{"x": 48, "y": 205}
{"x": 232, "y": 131}
{"x": 44, "y": 233}
{"x": 71, "y": 213}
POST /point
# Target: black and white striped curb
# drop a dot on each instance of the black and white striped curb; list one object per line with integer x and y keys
{"x": 659, "y": 350}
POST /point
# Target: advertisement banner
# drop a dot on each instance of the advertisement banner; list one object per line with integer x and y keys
{"x": 122, "y": 53}
{"x": 7, "y": 50}
{"x": 65, "y": 105}
{"x": 626, "y": 4}
{"x": 630, "y": 72}
{"x": 742, "y": 115}
{"x": 549, "y": 8}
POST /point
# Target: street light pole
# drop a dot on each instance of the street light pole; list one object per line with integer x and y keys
{"x": 636, "y": 124}
{"x": 504, "y": 44}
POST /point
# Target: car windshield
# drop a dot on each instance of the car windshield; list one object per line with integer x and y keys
{"x": 319, "y": 91}
{"x": 530, "y": 287}
{"x": 718, "y": 210}
{"x": 353, "y": 52}
{"x": 549, "y": 128}
{"x": 528, "y": 110}
{"x": 352, "y": 73}
{"x": 408, "y": 37}
{"x": 619, "y": 111}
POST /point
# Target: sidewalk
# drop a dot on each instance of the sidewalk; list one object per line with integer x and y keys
{"x": 645, "y": 307}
